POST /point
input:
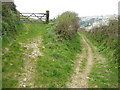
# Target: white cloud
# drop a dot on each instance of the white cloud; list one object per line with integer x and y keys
{"x": 82, "y": 7}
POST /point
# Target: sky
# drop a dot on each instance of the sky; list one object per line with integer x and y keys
{"x": 56, "y": 7}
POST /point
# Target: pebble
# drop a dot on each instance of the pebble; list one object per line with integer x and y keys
{"x": 25, "y": 79}
{"x": 33, "y": 54}
{"x": 87, "y": 77}
{"x": 96, "y": 86}
{"x": 24, "y": 85}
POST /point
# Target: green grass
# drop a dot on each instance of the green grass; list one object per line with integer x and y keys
{"x": 53, "y": 69}
{"x": 29, "y": 20}
{"x": 84, "y": 59}
{"x": 103, "y": 75}
{"x": 56, "y": 65}
{"x": 11, "y": 63}
{"x": 12, "y": 60}
{"x": 83, "y": 64}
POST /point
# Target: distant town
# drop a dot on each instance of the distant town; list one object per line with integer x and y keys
{"x": 95, "y": 21}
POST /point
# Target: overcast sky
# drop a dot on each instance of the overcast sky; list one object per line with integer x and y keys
{"x": 56, "y": 7}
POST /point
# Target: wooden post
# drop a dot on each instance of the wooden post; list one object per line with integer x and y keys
{"x": 47, "y": 16}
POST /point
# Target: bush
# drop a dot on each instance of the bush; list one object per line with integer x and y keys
{"x": 10, "y": 18}
{"x": 67, "y": 24}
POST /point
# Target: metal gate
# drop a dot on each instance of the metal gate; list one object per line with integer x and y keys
{"x": 35, "y": 17}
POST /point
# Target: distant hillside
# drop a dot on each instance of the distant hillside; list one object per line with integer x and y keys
{"x": 96, "y": 21}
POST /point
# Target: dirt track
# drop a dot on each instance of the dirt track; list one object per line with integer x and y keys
{"x": 79, "y": 78}
{"x": 31, "y": 53}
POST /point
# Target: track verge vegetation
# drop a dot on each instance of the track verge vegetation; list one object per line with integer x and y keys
{"x": 105, "y": 69}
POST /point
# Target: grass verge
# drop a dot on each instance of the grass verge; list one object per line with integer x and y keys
{"x": 104, "y": 72}
{"x": 55, "y": 67}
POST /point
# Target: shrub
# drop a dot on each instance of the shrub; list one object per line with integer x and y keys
{"x": 10, "y": 18}
{"x": 67, "y": 24}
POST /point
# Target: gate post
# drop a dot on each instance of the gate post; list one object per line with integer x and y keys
{"x": 47, "y": 16}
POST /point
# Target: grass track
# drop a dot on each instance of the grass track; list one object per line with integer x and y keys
{"x": 53, "y": 69}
